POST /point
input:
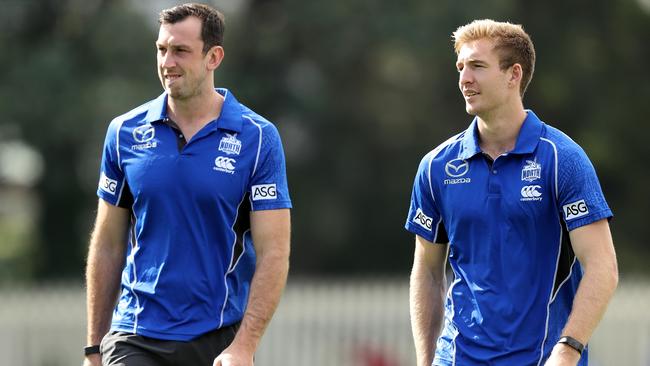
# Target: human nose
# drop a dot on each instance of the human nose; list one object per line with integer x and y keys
{"x": 166, "y": 60}
{"x": 464, "y": 77}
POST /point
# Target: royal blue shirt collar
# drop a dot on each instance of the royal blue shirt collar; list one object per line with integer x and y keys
{"x": 529, "y": 134}
{"x": 229, "y": 119}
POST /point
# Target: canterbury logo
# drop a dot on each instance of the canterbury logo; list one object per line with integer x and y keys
{"x": 531, "y": 192}
{"x": 224, "y": 164}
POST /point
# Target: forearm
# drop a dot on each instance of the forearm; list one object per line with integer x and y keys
{"x": 106, "y": 256}
{"x": 426, "y": 296}
{"x": 594, "y": 292}
{"x": 102, "y": 286}
{"x": 266, "y": 289}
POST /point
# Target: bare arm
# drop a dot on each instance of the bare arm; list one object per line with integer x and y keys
{"x": 594, "y": 249}
{"x": 426, "y": 297}
{"x": 104, "y": 265}
{"x": 271, "y": 235}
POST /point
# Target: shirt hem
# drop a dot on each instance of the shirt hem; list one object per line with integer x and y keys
{"x": 128, "y": 328}
{"x": 271, "y": 206}
{"x": 413, "y": 228}
{"x": 604, "y": 214}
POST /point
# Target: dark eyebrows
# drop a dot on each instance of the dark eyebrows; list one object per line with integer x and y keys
{"x": 173, "y": 47}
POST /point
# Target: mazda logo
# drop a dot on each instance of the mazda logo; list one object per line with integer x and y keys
{"x": 144, "y": 133}
{"x": 457, "y": 168}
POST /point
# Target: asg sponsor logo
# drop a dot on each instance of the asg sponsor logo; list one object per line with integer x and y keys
{"x": 144, "y": 134}
{"x": 224, "y": 164}
{"x": 422, "y": 219}
{"x": 531, "y": 171}
{"x": 107, "y": 184}
{"x": 531, "y": 193}
{"x": 456, "y": 169}
{"x": 264, "y": 192}
{"x": 230, "y": 145}
{"x": 575, "y": 210}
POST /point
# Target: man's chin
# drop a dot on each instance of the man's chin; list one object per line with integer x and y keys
{"x": 174, "y": 93}
{"x": 470, "y": 110}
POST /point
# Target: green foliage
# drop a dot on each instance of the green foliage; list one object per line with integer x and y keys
{"x": 360, "y": 91}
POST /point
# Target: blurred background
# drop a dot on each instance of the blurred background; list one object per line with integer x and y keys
{"x": 360, "y": 90}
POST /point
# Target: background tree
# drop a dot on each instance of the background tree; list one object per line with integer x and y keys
{"x": 360, "y": 91}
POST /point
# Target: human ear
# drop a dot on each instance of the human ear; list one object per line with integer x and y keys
{"x": 215, "y": 55}
{"x": 516, "y": 74}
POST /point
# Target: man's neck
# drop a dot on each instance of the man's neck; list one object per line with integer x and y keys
{"x": 499, "y": 129}
{"x": 197, "y": 111}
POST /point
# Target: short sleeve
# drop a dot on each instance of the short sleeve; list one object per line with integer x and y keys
{"x": 580, "y": 197}
{"x": 112, "y": 183}
{"x": 269, "y": 189}
{"x": 424, "y": 217}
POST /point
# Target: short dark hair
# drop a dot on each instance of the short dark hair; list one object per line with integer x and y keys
{"x": 212, "y": 21}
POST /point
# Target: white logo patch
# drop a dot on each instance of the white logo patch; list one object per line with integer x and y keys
{"x": 575, "y": 210}
{"x": 264, "y": 192}
{"x": 456, "y": 168}
{"x": 230, "y": 145}
{"x": 224, "y": 164}
{"x": 531, "y": 193}
{"x": 144, "y": 134}
{"x": 107, "y": 184}
{"x": 531, "y": 171}
{"x": 422, "y": 219}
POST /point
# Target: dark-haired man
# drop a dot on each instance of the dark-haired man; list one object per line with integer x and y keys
{"x": 191, "y": 243}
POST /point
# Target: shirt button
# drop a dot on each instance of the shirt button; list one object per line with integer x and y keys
{"x": 494, "y": 171}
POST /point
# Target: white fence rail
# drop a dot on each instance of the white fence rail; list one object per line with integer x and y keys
{"x": 343, "y": 323}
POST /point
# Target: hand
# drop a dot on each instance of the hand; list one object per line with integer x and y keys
{"x": 563, "y": 355}
{"x": 233, "y": 356}
{"x": 93, "y": 360}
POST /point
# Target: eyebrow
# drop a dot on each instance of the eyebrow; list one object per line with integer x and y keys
{"x": 473, "y": 61}
{"x": 173, "y": 46}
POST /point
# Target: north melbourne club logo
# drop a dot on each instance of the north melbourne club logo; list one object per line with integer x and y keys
{"x": 230, "y": 144}
{"x": 531, "y": 171}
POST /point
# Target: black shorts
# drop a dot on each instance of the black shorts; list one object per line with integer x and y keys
{"x": 126, "y": 349}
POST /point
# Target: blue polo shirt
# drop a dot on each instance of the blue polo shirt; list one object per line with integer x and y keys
{"x": 507, "y": 224}
{"x": 190, "y": 256}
